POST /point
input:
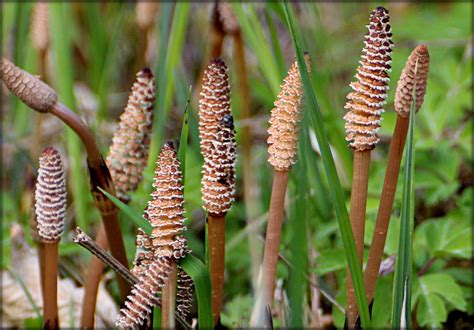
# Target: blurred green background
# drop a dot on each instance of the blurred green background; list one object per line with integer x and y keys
{"x": 93, "y": 54}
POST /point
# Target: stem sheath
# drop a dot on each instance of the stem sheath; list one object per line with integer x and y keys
{"x": 169, "y": 300}
{"x": 51, "y": 286}
{"x": 91, "y": 284}
{"x": 386, "y": 203}
{"x": 272, "y": 240}
{"x": 360, "y": 180}
{"x": 216, "y": 233}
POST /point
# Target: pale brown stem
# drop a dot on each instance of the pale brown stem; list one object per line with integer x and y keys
{"x": 168, "y": 300}
{"x": 99, "y": 177}
{"x": 360, "y": 179}
{"x": 91, "y": 284}
{"x": 272, "y": 239}
{"x": 50, "y": 306}
{"x": 216, "y": 234}
{"x": 250, "y": 190}
{"x": 386, "y": 203}
{"x": 41, "y": 260}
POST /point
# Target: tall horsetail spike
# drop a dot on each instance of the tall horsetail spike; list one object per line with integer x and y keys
{"x": 128, "y": 154}
{"x": 415, "y": 71}
{"x": 217, "y": 140}
{"x": 285, "y": 119}
{"x": 50, "y": 196}
{"x": 165, "y": 212}
{"x": 365, "y": 103}
{"x": 28, "y": 88}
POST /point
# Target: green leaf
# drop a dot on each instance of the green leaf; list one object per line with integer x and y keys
{"x": 431, "y": 311}
{"x": 202, "y": 283}
{"x": 445, "y": 286}
{"x": 403, "y": 268}
{"x": 330, "y": 261}
{"x": 333, "y": 180}
{"x": 298, "y": 245}
{"x": 129, "y": 212}
{"x": 237, "y": 312}
{"x": 183, "y": 142}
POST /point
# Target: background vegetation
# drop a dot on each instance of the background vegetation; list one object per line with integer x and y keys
{"x": 92, "y": 60}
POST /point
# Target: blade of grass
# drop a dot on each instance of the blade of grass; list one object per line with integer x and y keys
{"x": 401, "y": 304}
{"x": 170, "y": 50}
{"x": 183, "y": 141}
{"x": 297, "y": 284}
{"x": 330, "y": 168}
{"x": 129, "y": 212}
{"x": 64, "y": 77}
{"x": 202, "y": 283}
{"x": 253, "y": 32}
{"x": 28, "y": 295}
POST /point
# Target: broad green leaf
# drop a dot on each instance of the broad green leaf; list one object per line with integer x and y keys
{"x": 445, "y": 286}
{"x": 431, "y": 311}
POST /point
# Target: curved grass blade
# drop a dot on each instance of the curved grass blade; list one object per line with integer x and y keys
{"x": 202, "y": 283}
{"x": 183, "y": 142}
{"x": 401, "y": 304}
{"x": 330, "y": 169}
{"x": 129, "y": 212}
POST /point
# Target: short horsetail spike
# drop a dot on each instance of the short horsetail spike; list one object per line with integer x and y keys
{"x": 50, "y": 196}
{"x": 39, "y": 28}
{"x": 284, "y": 120}
{"x": 130, "y": 145}
{"x": 415, "y": 71}
{"x": 226, "y": 17}
{"x": 184, "y": 292}
{"x": 28, "y": 88}
{"x": 217, "y": 135}
{"x": 144, "y": 295}
{"x": 365, "y": 103}
{"x": 145, "y": 14}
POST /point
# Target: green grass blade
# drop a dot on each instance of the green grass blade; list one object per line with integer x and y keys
{"x": 27, "y": 293}
{"x": 403, "y": 268}
{"x": 170, "y": 50}
{"x": 254, "y": 34}
{"x": 61, "y": 44}
{"x": 202, "y": 284}
{"x": 298, "y": 245}
{"x": 330, "y": 169}
{"x": 183, "y": 141}
{"x": 129, "y": 212}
